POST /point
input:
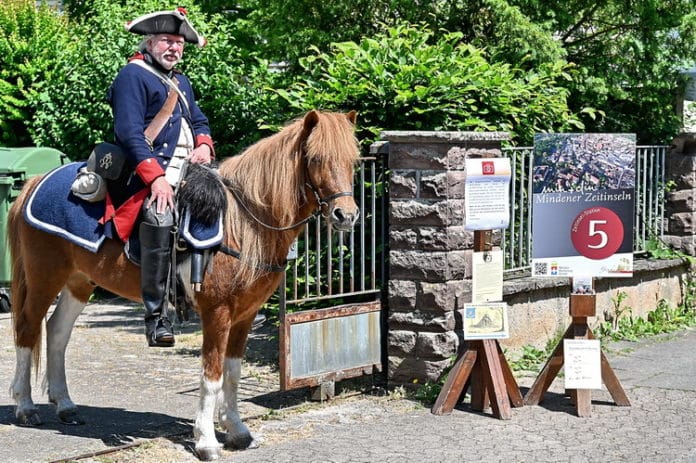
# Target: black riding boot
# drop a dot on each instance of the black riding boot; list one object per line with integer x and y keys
{"x": 155, "y": 260}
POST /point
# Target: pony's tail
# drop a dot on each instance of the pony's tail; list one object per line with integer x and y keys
{"x": 19, "y": 281}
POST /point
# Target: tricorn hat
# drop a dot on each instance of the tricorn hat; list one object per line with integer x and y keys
{"x": 166, "y": 22}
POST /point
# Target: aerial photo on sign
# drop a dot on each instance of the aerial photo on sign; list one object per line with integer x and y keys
{"x": 584, "y": 162}
{"x": 583, "y": 204}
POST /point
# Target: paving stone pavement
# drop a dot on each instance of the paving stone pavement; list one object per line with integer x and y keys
{"x": 131, "y": 394}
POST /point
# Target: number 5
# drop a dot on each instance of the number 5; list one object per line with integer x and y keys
{"x": 593, "y": 231}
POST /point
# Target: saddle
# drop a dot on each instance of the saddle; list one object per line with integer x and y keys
{"x": 201, "y": 205}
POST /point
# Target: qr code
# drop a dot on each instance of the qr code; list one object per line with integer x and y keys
{"x": 541, "y": 268}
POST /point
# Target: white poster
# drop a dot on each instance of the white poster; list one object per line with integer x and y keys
{"x": 487, "y": 193}
{"x": 582, "y": 363}
{"x": 487, "y": 276}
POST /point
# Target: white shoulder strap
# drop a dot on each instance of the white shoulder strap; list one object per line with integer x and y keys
{"x": 167, "y": 81}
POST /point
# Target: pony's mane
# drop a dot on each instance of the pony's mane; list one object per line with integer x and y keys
{"x": 269, "y": 177}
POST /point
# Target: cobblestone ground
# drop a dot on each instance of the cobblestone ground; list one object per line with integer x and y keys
{"x": 140, "y": 404}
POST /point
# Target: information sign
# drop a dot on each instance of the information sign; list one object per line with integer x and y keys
{"x": 487, "y": 276}
{"x": 582, "y": 364}
{"x": 486, "y": 321}
{"x": 583, "y": 205}
{"x": 487, "y": 193}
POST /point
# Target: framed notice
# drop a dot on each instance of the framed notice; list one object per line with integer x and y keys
{"x": 583, "y": 199}
{"x": 487, "y": 193}
{"x": 486, "y": 321}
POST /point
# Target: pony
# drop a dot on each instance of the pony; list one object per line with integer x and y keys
{"x": 272, "y": 188}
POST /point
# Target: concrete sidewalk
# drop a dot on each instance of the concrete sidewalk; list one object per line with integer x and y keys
{"x": 131, "y": 394}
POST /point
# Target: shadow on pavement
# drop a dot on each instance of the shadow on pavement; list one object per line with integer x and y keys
{"x": 103, "y": 421}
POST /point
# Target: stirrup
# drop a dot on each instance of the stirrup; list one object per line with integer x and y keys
{"x": 160, "y": 335}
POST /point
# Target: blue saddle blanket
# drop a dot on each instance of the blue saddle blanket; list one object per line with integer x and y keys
{"x": 54, "y": 209}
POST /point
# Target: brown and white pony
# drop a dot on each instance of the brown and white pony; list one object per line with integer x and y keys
{"x": 272, "y": 186}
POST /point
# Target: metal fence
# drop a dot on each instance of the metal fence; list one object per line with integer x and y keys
{"x": 350, "y": 266}
{"x": 649, "y": 209}
{"x": 342, "y": 266}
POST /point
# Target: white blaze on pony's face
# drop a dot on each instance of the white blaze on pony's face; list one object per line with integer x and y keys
{"x": 328, "y": 142}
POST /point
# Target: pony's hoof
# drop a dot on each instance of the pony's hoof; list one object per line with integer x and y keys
{"x": 71, "y": 417}
{"x": 29, "y": 418}
{"x": 208, "y": 453}
{"x": 241, "y": 442}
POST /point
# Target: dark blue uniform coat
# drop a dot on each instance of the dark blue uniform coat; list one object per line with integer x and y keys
{"x": 136, "y": 96}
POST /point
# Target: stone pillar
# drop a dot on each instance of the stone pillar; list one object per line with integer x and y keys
{"x": 429, "y": 250}
{"x": 680, "y": 206}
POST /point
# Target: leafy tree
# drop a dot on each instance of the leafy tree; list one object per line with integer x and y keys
{"x": 624, "y": 60}
{"x": 500, "y": 27}
{"x": 31, "y": 39}
{"x": 234, "y": 87}
{"x": 628, "y": 56}
{"x": 72, "y": 112}
{"x": 284, "y": 30}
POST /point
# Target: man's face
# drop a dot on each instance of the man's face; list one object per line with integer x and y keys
{"x": 166, "y": 49}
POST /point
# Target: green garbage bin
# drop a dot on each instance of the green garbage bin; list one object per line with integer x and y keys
{"x": 16, "y": 166}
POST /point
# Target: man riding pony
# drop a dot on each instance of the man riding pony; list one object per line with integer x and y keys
{"x": 158, "y": 126}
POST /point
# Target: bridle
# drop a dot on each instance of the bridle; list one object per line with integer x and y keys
{"x": 320, "y": 203}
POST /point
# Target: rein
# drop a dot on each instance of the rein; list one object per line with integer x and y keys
{"x": 320, "y": 202}
{"x": 238, "y": 255}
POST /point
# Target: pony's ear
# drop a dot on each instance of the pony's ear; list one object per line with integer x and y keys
{"x": 352, "y": 116}
{"x": 311, "y": 119}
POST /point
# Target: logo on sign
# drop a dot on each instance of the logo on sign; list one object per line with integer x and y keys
{"x": 488, "y": 167}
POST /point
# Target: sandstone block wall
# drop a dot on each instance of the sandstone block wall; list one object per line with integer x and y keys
{"x": 680, "y": 204}
{"x": 429, "y": 250}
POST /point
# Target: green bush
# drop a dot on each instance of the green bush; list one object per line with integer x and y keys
{"x": 31, "y": 39}
{"x": 400, "y": 80}
{"x": 233, "y": 85}
{"x": 73, "y": 114}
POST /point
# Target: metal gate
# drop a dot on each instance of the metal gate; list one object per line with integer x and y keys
{"x": 331, "y": 320}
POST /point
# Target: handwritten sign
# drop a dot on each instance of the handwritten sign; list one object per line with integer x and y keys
{"x": 582, "y": 364}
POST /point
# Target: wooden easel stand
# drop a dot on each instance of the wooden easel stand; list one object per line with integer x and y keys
{"x": 482, "y": 365}
{"x": 581, "y": 307}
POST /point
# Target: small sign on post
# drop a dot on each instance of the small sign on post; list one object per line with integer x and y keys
{"x": 486, "y": 321}
{"x": 486, "y": 193}
{"x": 582, "y": 364}
{"x": 487, "y": 276}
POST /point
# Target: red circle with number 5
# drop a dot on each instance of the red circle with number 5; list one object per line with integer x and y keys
{"x": 597, "y": 233}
